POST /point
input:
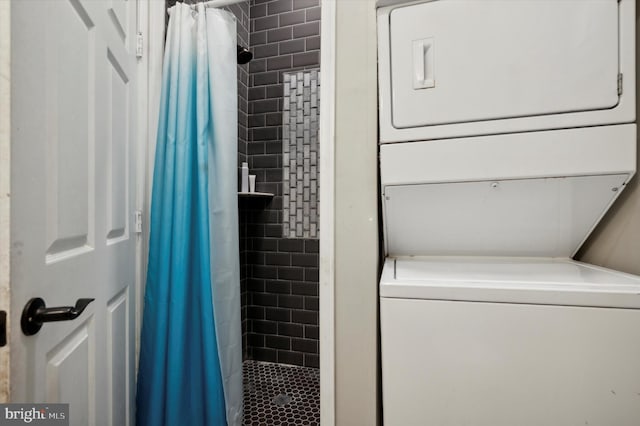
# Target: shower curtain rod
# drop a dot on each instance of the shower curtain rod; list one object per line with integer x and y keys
{"x": 217, "y": 3}
{"x": 213, "y": 3}
{"x": 244, "y": 55}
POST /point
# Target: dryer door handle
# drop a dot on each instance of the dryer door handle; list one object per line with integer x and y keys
{"x": 423, "y": 65}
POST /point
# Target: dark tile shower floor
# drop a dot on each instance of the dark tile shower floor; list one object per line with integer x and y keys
{"x": 280, "y": 394}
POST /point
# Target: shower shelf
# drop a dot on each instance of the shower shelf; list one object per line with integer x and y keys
{"x": 255, "y": 195}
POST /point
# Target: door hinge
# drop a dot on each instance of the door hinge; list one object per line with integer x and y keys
{"x": 138, "y": 222}
{"x": 619, "y": 84}
{"x": 139, "y": 43}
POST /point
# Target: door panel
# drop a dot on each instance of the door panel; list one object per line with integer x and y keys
{"x": 454, "y": 62}
{"x": 118, "y": 11}
{"x": 69, "y": 373}
{"x": 118, "y": 365}
{"x": 73, "y": 157}
{"x": 117, "y": 158}
{"x": 69, "y": 99}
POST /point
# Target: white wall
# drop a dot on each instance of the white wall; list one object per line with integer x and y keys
{"x": 615, "y": 243}
{"x": 5, "y": 153}
{"x": 356, "y": 221}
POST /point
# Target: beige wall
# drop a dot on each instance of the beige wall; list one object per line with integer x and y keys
{"x": 5, "y": 152}
{"x": 615, "y": 243}
{"x": 356, "y": 221}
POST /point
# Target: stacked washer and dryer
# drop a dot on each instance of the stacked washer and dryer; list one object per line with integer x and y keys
{"x": 507, "y": 130}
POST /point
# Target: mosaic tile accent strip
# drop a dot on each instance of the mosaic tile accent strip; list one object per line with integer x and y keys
{"x": 278, "y": 394}
{"x": 300, "y": 124}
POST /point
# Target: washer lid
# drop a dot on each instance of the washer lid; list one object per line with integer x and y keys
{"x": 522, "y": 217}
{"x": 545, "y": 281}
{"x": 536, "y": 194}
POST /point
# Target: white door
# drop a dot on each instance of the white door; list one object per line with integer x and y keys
{"x": 73, "y": 126}
{"x": 455, "y": 62}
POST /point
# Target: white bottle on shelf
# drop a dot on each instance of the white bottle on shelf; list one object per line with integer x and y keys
{"x": 244, "y": 182}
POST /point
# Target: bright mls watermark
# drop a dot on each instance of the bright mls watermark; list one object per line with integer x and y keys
{"x": 34, "y": 414}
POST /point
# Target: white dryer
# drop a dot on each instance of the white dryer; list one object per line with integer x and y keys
{"x": 452, "y": 68}
{"x": 507, "y": 130}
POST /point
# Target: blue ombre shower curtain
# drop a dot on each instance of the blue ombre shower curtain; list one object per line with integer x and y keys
{"x": 190, "y": 367}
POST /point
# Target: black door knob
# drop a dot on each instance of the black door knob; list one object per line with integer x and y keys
{"x": 35, "y": 313}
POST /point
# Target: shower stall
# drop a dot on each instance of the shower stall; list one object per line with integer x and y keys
{"x": 278, "y": 88}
